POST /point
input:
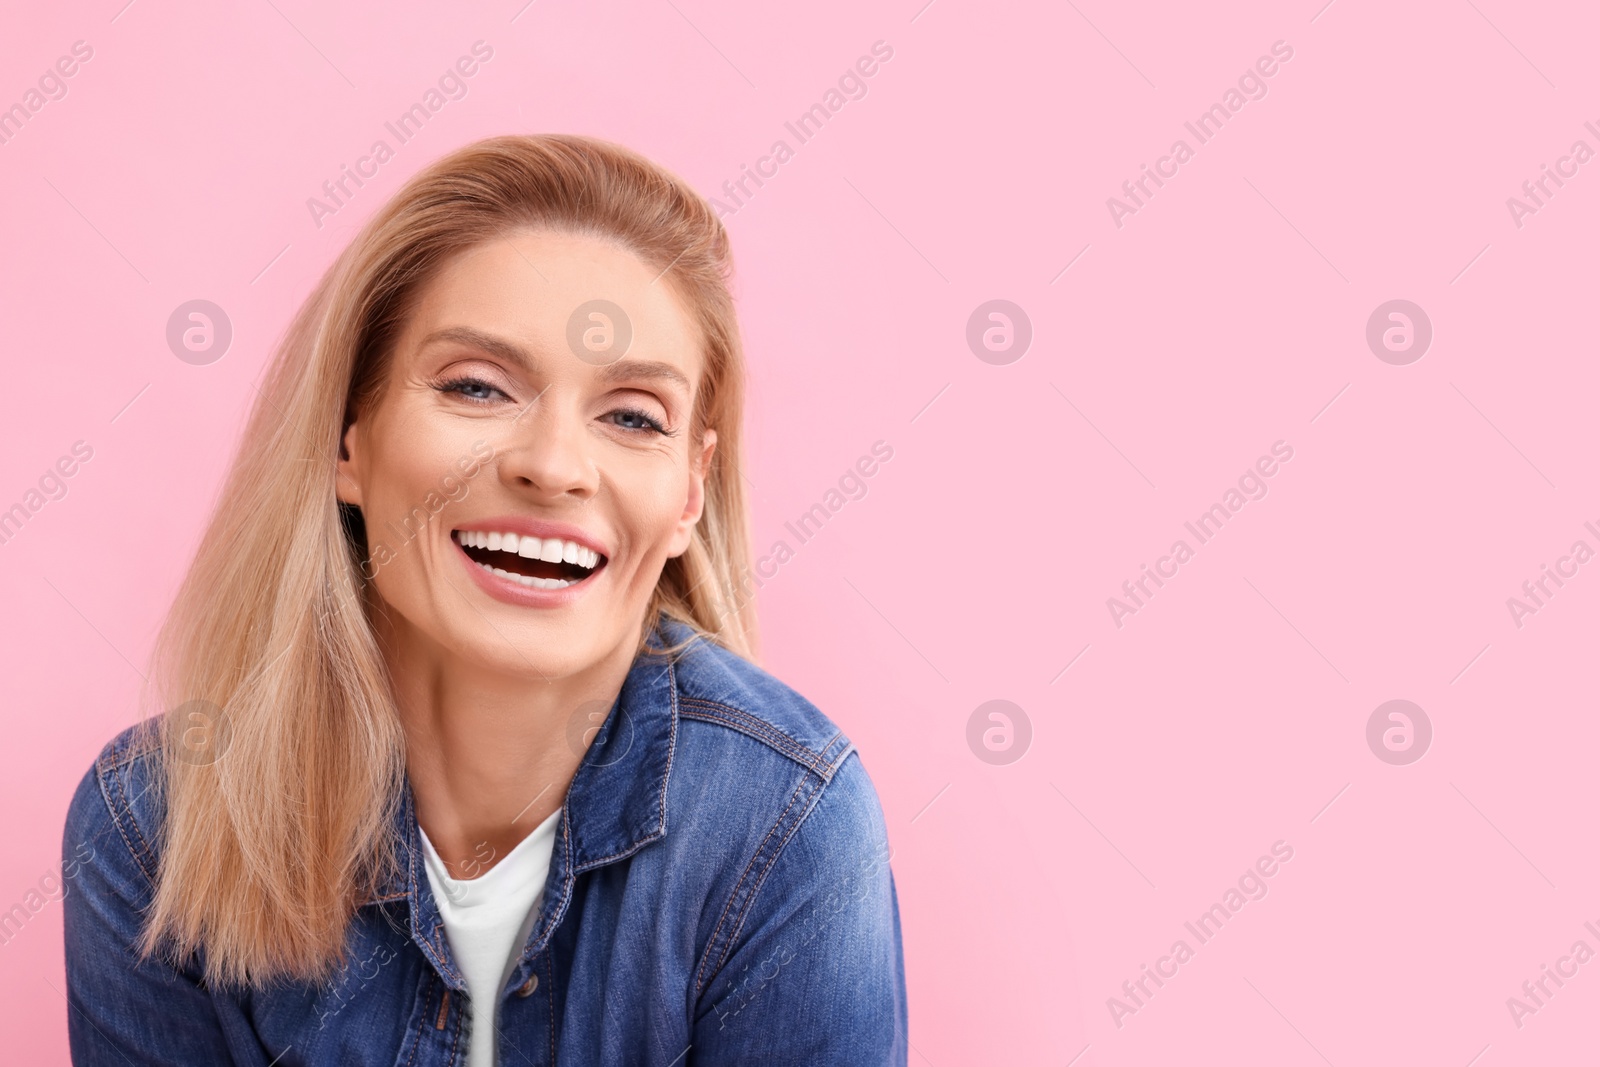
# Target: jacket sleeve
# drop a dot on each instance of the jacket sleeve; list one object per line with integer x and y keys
{"x": 816, "y": 973}
{"x": 121, "y": 1010}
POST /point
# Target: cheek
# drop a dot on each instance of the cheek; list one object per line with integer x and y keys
{"x": 395, "y": 509}
{"x": 649, "y": 507}
{"x": 413, "y": 465}
{"x": 407, "y": 505}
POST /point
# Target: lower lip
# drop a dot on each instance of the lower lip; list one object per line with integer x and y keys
{"x": 513, "y": 592}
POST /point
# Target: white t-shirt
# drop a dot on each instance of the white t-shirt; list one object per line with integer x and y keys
{"x": 487, "y": 921}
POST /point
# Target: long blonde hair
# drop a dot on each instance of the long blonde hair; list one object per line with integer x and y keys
{"x": 279, "y": 809}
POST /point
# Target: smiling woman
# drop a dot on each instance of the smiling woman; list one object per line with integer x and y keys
{"x": 518, "y": 792}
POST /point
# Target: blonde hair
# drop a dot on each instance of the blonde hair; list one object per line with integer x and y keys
{"x": 274, "y": 835}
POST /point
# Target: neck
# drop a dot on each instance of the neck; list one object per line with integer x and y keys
{"x": 490, "y": 755}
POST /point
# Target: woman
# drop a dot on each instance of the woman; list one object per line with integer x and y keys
{"x": 467, "y": 761}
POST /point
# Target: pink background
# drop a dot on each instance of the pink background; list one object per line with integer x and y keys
{"x": 1224, "y": 316}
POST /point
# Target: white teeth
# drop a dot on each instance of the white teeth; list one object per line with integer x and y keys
{"x": 527, "y": 579}
{"x": 553, "y": 550}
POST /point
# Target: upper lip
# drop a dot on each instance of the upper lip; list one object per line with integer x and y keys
{"x": 526, "y": 527}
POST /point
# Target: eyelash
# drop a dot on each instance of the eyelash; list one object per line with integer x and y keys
{"x": 652, "y": 424}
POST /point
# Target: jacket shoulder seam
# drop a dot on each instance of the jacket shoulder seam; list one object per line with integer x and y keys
{"x": 817, "y": 783}
{"x": 740, "y": 889}
{"x": 763, "y": 731}
{"x": 120, "y": 807}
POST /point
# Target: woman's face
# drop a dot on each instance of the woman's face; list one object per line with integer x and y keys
{"x": 513, "y": 418}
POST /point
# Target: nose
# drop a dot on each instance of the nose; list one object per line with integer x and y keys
{"x": 545, "y": 452}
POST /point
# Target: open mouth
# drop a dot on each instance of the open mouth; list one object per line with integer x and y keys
{"x": 550, "y": 563}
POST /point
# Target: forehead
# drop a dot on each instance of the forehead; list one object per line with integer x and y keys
{"x": 532, "y": 286}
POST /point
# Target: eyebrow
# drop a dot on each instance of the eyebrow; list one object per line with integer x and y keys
{"x": 622, "y": 369}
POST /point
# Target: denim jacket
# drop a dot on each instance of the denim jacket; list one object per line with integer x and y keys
{"x": 719, "y": 893}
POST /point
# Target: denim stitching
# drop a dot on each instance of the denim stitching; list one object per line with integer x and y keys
{"x": 564, "y": 898}
{"x": 844, "y": 754}
{"x": 422, "y": 1023}
{"x": 128, "y": 750}
{"x": 133, "y": 822}
{"x": 550, "y": 995}
{"x": 672, "y": 736}
{"x": 411, "y": 876}
{"x": 761, "y": 879}
{"x": 438, "y": 944}
{"x": 754, "y": 727}
{"x": 762, "y": 731}
{"x": 116, "y": 820}
{"x": 784, "y": 746}
{"x": 700, "y": 977}
{"x": 661, "y": 822}
{"x": 455, "y": 1038}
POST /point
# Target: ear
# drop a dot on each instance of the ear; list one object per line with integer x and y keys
{"x": 694, "y": 505}
{"x": 347, "y": 485}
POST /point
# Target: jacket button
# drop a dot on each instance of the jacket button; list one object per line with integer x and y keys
{"x": 527, "y": 988}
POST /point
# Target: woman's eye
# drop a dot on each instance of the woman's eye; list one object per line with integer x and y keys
{"x": 639, "y": 420}
{"x": 472, "y": 389}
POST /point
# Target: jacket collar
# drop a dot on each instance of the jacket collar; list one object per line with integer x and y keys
{"x": 615, "y": 805}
